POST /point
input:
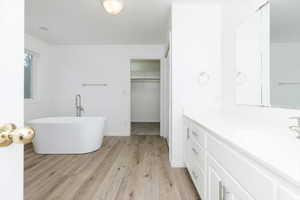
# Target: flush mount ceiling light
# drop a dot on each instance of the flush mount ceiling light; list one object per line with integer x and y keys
{"x": 113, "y": 7}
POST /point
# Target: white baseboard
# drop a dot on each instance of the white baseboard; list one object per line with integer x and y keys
{"x": 177, "y": 164}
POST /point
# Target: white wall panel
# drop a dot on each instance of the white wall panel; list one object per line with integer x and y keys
{"x": 196, "y": 48}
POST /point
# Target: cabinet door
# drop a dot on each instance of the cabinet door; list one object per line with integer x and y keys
{"x": 248, "y": 61}
{"x": 214, "y": 185}
{"x": 222, "y": 186}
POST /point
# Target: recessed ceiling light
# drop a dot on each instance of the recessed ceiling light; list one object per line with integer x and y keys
{"x": 113, "y": 7}
{"x": 44, "y": 28}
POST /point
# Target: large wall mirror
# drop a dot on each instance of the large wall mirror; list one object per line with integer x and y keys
{"x": 268, "y": 56}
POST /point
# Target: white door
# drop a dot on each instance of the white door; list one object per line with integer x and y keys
{"x": 11, "y": 94}
{"x": 163, "y": 120}
{"x": 167, "y": 91}
{"x": 169, "y": 97}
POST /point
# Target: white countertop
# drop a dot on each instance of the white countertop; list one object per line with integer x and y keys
{"x": 270, "y": 143}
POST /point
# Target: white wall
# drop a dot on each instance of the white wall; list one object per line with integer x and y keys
{"x": 233, "y": 13}
{"x": 73, "y": 65}
{"x": 39, "y": 107}
{"x": 196, "y": 48}
{"x": 62, "y": 69}
{"x": 285, "y": 67}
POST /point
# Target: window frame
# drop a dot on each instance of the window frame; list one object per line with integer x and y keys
{"x": 34, "y": 94}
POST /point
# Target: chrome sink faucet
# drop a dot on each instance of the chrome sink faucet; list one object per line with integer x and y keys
{"x": 79, "y": 108}
{"x": 296, "y": 129}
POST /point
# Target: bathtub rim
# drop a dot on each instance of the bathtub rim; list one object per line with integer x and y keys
{"x": 65, "y": 120}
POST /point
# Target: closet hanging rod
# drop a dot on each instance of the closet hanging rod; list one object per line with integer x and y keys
{"x": 94, "y": 84}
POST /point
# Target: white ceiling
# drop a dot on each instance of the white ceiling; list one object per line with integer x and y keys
{"x": 86, "y": 22}
{"x": 141, "y": 22}
{"x": 285, "y": 20}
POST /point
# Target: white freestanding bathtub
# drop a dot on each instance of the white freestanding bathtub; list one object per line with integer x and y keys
{"x": 67, "y": 135}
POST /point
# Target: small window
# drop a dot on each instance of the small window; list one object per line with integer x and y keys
{"x": 28, "y": 74}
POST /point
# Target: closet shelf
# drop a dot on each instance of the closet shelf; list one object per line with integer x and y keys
{"x": 145, "y": 79}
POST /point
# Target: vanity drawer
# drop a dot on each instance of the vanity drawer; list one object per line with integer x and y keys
{"x": 197, "y": 154}
{"x": 198, "y": 177}
{"x": 248, "y": 175}
{"x": 198, "y": 133}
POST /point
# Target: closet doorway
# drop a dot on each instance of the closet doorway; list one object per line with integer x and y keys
{"x": 145, "y": 97}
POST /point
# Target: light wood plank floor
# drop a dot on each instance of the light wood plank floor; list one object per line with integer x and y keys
{"x": 145, "y": 128}
{"x": 125, "y": 168}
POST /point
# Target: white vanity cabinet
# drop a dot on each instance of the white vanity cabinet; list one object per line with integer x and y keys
{"x": 195, "y": 158}
{"x": 221, "y": 172}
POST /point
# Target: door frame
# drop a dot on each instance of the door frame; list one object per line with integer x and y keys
{"x": 162, "y": 97}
